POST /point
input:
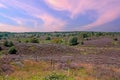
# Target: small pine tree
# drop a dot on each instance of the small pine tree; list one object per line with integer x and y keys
{"x": 73, "y": 41}
{"x": 12, "y": 50}
{"x": 48, "y": 38}
{"x": 6, "y": 43}
{"x": 26, "y": 41}
{"x": 115, "y": 39}
{"x": 10, "y": 44}
{"x": 34, "y": 40}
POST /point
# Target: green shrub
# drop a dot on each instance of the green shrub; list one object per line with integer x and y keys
{"x": 48, "y": 38}
{"x": 34, "y": 40}
{"x": 26, "y": 41}
{"x": 19, "y": 41}
{"x": 55, "y": 76}
{"x": 73, "y": 41}
{"x": 12, "y": 50}
{"x": 8, "y": 43}
{"x": 115, "y": 39}
{"x": 57, "y": 41}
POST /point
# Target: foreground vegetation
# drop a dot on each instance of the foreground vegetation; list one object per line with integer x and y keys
{"x": 60, "y": 56}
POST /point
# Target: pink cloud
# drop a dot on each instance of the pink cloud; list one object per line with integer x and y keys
{"x": 11, "y": 28}
{"x": 50, "y": 23}
{"x": 20, "y": 21}
{"x": 108, "y": 10}
{"x": 107, "y": 16}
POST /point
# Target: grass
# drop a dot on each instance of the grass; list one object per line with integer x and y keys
{"x": 42, "y": 70}
{"x": 39, "y": 70}
{"x": 95, "y": 50}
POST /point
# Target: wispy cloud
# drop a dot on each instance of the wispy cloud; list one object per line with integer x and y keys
{"x": 7, "y": 28}
{"x": 41, "y": 18}
{"x": 20, "y": 21}
{"x": 50, "y": 22}
{"x": 2, "y": 5}
{"x": 108, "y": 10}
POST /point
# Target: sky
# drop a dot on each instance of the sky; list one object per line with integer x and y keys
{"x": 59, "y": 15}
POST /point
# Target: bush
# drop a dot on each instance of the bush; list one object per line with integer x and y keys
{"x": 26, "y": 41}
{"x": 34, "y": 40}
{"x": 48, "y": 38}
{"x": 19, "y": 41}
{"x": 55, "y": 76}
{"x": 8, "y": 44}
{"x": 12, "y": 50}
{"x": 73, "y": 41}
{"x": 115, "y": 39}
{"x": 57, "y": 41}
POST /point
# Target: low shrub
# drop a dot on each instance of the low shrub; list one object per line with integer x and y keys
{"x": 48, "y": 38}
{"x": 57, "y": 41}
{"x": 34, "y": 40}
{"x": 55, "y": 76}
{"x": 8, "y": 43}
{"x": 115, "y": 39}
{"x": 73, "y": 41}
{"x": 12, "y": 50}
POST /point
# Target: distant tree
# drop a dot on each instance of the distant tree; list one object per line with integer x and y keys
{"x": 85, "y": 35}
{"x": 12, "y": 50}
{"x": 73, "y": 41}
{"x": 115, "y": 39}
{"x": 48, "y": 38}
{"x": 26, "y": 41}
{"x": 34, "y": 40}
{"x": 19, "y": 41}
{"x": 8, "y": 44}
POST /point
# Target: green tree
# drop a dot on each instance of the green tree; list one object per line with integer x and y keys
{"x": 115, "y": 39}
{"x": 10, "y": 44}
{"x": 73, "y": 41}
{"x": 34, "y": 40}
{"x": 48, "y": 38}
{"x": 12, "y": 50}
{"x": 6, "y": 43}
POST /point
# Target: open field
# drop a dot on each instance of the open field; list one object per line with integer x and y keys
{"x": 97, "y": 59}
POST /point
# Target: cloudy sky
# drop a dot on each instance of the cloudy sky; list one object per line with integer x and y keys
{"x": 59, "y": 15}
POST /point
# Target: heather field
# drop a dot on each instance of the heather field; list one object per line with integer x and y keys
{"x": 60, "y": 56}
